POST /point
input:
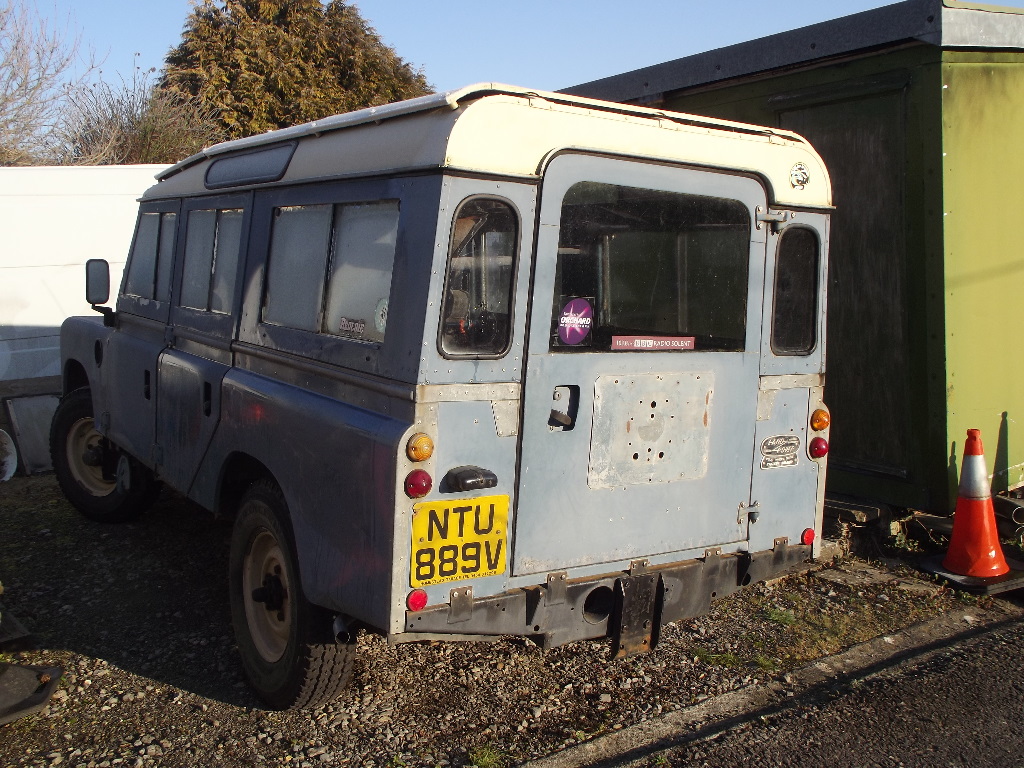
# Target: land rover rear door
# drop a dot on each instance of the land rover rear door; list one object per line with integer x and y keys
{"x": 640, "y": 392}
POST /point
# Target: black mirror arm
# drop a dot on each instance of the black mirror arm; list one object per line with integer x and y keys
{"x": 107, "y": 312}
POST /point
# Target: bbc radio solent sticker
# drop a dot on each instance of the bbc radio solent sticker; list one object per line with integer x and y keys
{"x": 575, "y": 322}
{"x": 643, "y": 343}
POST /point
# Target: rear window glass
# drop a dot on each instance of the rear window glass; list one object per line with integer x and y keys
{"x": 476, "y": 320}
{"x": 298, "y": 261}
{"x": 642, "y": 269}
{"x": 363, "y": 258}
{"x": 330, "y": 268}
{"x": 795, "y": 310}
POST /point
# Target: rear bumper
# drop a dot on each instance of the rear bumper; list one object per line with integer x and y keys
{"x": 627, "y": 606}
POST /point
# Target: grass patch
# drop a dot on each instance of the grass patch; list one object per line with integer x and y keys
{"x": 486, "y": 756}
{"x": 786, "y": 618}
{"x": 717, "y": 659}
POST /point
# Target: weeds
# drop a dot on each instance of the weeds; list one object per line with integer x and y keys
{"x": 717, "y": 659}
{"x": 787, "y": 618}
{"x": 486, "y": 756}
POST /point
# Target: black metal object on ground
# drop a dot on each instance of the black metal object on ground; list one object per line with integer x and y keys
{"x": 992, "y": 585}
{"x": 24, "y": 689}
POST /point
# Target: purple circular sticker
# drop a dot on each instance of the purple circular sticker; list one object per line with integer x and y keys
{"x": 576, "y": 321}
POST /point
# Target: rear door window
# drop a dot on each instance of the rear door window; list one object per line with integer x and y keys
{"x": 648, "y": 267}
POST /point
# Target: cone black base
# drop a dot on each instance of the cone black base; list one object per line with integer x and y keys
{"x": 977, "y": 585}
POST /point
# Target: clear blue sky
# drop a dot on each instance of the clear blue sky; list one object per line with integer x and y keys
{"x": 543, "y": 44}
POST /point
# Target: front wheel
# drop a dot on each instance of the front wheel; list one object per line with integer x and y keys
{"x": 101, "y": 482}
{"x": 287, "y": 645}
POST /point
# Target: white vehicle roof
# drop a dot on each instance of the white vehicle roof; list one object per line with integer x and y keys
{"x": 508, "y": 131}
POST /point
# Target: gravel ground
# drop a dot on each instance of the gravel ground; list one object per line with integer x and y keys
{"x": 137, "y": 616}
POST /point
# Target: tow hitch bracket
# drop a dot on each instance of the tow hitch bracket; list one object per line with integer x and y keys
{"x": 635, "y": 619}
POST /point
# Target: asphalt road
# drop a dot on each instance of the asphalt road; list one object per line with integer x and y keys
{"x": 961, "y": 705}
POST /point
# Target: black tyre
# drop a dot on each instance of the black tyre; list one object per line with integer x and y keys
{"x": 101, "y": 482}
{"x": 288, "y": 648}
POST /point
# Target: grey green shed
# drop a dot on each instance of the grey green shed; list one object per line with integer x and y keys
{"x": 918, "y": 111}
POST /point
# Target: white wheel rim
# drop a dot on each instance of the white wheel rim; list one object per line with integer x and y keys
{"x": 268, "y": 626}
{"x": 83, "y": 438}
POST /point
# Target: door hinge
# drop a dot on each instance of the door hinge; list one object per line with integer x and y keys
{"x": 750, "y": 511}
{"x": 775, "y": 218}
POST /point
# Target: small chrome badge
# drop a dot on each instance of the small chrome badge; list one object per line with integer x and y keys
{"x": 798, "y": 176}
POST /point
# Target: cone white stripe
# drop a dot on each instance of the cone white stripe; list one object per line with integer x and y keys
{"x": 974, "y": 482}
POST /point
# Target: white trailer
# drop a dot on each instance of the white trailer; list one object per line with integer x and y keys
{"x": 52, "y": 220}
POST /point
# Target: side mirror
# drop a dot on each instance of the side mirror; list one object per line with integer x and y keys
{"x": 97, "y": 288}
{"x": 97, "y": 281}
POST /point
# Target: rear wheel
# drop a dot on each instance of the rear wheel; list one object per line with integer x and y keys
{"x": 102, "y": 483}
{"x": 288, "y": 648}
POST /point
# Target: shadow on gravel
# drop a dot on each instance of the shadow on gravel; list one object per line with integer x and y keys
{"x": 815, "y": 694}
{"x": 149, "y": 597}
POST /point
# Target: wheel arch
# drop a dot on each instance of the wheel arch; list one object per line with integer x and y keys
{"x": 238, "y": 474}
{"x": 74, "y": 376}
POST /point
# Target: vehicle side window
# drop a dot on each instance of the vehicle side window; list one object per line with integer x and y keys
{"x": 477, "y": 317}
{"x": 795, "y": 310}
{"x": 152, "y": 257}
{"x": 330, "y": 268}
{"x": 212, "y": 243}
{"x": 362, "y": 261}
{"x": 649, "y": 269}
{"x": 298, "y": 260}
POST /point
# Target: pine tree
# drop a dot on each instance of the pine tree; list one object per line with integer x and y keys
{"x": 266, "y": 64}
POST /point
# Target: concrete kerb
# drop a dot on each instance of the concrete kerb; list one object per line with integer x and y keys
{"x": 634, "y": 747}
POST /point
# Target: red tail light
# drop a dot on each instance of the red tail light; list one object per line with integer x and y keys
{"x": 418, "y": 484}
{"x": 807, "y": 537}
{"x": 818, "y": 447}
{"x": 417, "y": 600}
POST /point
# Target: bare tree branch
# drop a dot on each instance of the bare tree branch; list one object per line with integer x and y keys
{"x": 136, "y": 123}
{"x": 37, "y": 72}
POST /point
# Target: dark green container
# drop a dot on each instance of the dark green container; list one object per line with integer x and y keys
{"x": 918, "y": 111}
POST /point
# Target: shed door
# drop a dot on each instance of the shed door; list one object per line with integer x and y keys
{"x": 641, "y": 378}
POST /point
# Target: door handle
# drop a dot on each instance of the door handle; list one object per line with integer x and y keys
{"x": 560, "y": 417}
{"x": 563, "y": 415}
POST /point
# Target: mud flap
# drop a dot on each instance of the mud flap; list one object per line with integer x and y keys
{"x": 637, "y": 616}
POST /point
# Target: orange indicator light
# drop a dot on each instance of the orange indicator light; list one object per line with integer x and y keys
{"x": 820, "y": 420}
{"x": 420, "y": 447}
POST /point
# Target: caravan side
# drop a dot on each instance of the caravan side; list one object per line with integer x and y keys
{"x": 53, "y": 220}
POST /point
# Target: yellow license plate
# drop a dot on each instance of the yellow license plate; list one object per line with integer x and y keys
{"x": 458, "y": 539}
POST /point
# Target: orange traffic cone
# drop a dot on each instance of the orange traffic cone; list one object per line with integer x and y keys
{"x": 974, "y": 548}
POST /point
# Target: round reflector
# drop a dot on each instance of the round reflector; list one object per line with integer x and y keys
{"x": 420, "y": 447}
{"x": 820, "y": 420}
{"x": 807, "y": 538}
{"x": 818, "y": 447}
{"x": 418, "y": 483}
{"x": 417, "y": 600}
